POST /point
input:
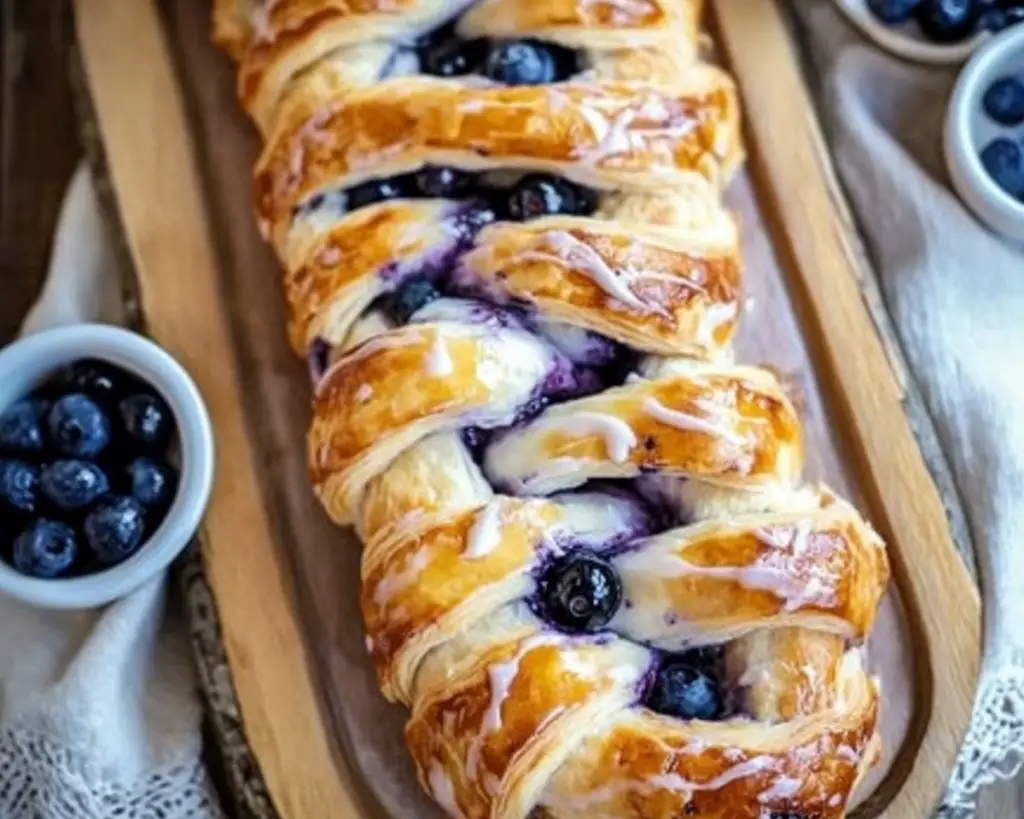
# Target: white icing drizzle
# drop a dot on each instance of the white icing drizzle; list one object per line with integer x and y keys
{"x": 364, "y": 393}
{"x": 784, "y": 787}
{"x": 439, "y": 363}
{"x": 259, "y": 19}
{"x": 501, "y": 677}
{"x": 834, "y": 800}
{"x": 472, "y": 106}
{"x": 633, "y": 8}
{"x": 668, "y": 782}
{"x": 795, "y": 591}
{"x": 393, "y": 583}
{"x": 442, "y": 790}
{"x": 369, "y": 644}
{"x": 714, "y": 316}
{"x": 619, "y": 438}
{"x": 485, "y": 533}
{"x": 681, "y": 420}
{"x": 848, "y": 753}
{"x": 374, "y": 345}
{"x": 570, "y": 250}
{"x": 794, "y": 538}
{"x": 329, "y": 256}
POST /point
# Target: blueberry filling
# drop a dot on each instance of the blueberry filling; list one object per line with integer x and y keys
{"x": 539, "y": 195}
{"x": 511, "y": 62}
{"x": 454, "y": 57}
{"x": 687, "y": 686}
{"x": 529, "y": 62}
{"x": 579, "y": 592}
{"x": 534, "y": 195}
{"x": 409, "y": 298}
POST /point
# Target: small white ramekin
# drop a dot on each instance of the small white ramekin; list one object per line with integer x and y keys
{"x": 906, "y": 41}
{"x": 27, "y": 363}
{"x": 969, "y": 129}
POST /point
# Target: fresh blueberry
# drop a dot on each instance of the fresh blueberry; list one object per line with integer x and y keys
{"x": 892, "y": 12}
{"x": 454, "y": 58}
{"x": 1004, "y": 162}
{"x": 78, "y": 427}
{"x": 1004, "y": 101}
{"x": 19, "y": 486}
{"x": 683, "y": 688}
{"x": 21, "y": 427}
{"x": 538, "y": 195}
{"x": 441, "y": 182}
{"x": 947, "y": 21}
{"x": 113, "y": 530}
{"x": 152, "y": 482}
{"x": 71, "y": 484}
{"x": 580, "y": 592}
{"x": 147, "y": 422}
{"x": 45, "y": 549}
{"x": 376, "y": 190}
{"x": 410, "y": 298}
{"x": 521, "y": 62}
{"x": 100, "y": 380}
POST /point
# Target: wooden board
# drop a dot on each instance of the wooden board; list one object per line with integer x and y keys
{"x": 285, "y": 579}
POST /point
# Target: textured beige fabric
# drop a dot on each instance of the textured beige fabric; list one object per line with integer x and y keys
{"x": 956, "y": 296}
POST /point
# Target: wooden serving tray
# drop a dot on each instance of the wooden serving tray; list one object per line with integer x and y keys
{"x": 285, "y": 580}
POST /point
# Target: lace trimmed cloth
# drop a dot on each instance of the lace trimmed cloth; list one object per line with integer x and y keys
{"x": 99, "y": 712}
{"x": 956, "y": 296}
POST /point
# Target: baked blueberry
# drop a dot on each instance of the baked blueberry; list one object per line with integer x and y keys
{"x": 442, "y": 182}
{"x": 113, "y": 530}
{"x": 45, "y": 549}
{"x": 72, "y": 484}
{"x": 409, "y": 298}
{"x": 538, "y": 195}
{"x": 19, "y": 485}
{"x": 686, "y": 689}
{"x": 100, "y": 380}
{"x": 376, "y": 190}
{"x": 1004, "y": 162}
{"x": 1004, "y": 101}
{"x": 947, "y": 21}
{"x": 454, "y": 57}
{"x": 147, "y": 422}
{"x": 579, "y": 592}
{"x": 892, "y": 12}
{"x": 521, "y": 62}
{"x": 152, "y": 482}
{"x": 78, "y": 427}
{"x": 21, "y": 427}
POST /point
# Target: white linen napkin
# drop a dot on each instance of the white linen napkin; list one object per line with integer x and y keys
{"x": 956, "y": 296}
{"x": 99, "y": 714}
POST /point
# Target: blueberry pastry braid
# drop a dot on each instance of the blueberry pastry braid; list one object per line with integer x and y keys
{"x": 590, "y": 568}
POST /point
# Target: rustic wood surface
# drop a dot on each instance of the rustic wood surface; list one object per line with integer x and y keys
{"x": 38, "y": 151}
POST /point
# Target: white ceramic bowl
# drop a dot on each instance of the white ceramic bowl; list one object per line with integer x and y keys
{"x": 906, "y": 41}
{"x": 25, "y": 364}
{"x": 968, "y": 130}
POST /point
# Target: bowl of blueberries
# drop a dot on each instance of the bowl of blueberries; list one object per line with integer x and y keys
{"x": 932, "y": 31}
{"x": 984, "y": 135}
{"x": 106, "y": 464}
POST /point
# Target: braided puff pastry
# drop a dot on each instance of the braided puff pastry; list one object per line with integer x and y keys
{"x": 590, "y": 569}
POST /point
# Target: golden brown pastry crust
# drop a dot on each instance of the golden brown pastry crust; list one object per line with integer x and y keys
{"x": 461, "y": 449}
{"x": 608, "y": 135}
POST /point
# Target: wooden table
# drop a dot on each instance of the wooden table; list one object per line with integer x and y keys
{"x": 39, "y": 150}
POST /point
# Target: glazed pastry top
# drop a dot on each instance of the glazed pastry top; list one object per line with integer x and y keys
{"x": 590, "y": 568}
